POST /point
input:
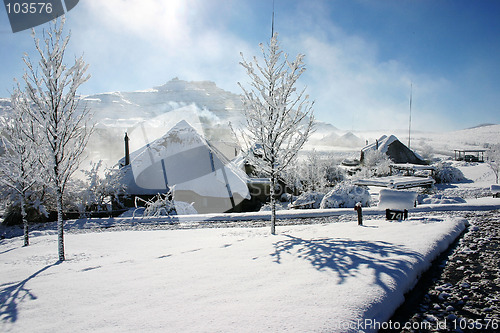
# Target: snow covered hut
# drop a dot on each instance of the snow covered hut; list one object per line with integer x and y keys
{"x": 397, "y": 151}
{"x": 185, "y": 160}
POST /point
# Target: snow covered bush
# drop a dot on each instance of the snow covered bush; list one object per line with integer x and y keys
{"x": 313, "y": 172}
{"x": 163, "y": 204}
{"x": 184, "y": 208}
{"x": 334, "y": 174}
{"x": 287, "y": 197}
{"x": 38, "y": 202}
{"x": 35, "y": 212}
{"x": 280, "y": 205}
{"x": 308, "y": 200}
{"x": 159, "y": 205}
{"x": 447, "y": 173}
{"x": 346, "y": 194}
{"x": 375, "y": 164}
{"x": 292, "y": 178}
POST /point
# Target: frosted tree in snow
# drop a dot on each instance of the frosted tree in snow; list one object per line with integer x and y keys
{"x": 19, "y": 167}
{"x": 102, "y": 191}
{"x": 376, "y": 163}
{"x": 314, "y": 172}
{"x": 50, "y": 98}
{"x": 279, "y": 118}
{"x": 493, "y": 160}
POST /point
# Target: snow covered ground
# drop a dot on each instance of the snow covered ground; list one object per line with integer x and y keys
{"x": 179, "y": 275}
{"x": 321, "y": 277}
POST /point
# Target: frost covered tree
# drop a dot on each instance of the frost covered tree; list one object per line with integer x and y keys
{"x": 19, "y": 167}
{"x": 102, "y": 192}
{"x": 493, "y": 160}
{"x": 49, "y": 96}
{"x": 279, "y": 118}
{"x": 314, "y": 172}
{"x": 317, "y": 172}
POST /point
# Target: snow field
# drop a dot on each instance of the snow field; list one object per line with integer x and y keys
{"x": 305, "y": 279}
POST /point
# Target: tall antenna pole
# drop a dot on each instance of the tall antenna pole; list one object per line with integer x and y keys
{"x": 409, "y": 126}
{"x": 272, "y": 25}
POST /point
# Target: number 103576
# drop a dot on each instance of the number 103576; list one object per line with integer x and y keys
{"x": 476, "y": 324}
{"x": 29, "y": 8}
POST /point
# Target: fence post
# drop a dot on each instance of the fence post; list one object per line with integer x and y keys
{"x": 360, "y": 213}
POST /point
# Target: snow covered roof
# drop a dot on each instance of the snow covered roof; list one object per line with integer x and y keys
{"x": 182, "y": 157}
{"x": 395, "y": 149}
{"x": 381, "y": 144}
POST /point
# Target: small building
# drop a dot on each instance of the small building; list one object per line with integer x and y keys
{"x": 470, "y": 155}
{"x": 394, "y": 149}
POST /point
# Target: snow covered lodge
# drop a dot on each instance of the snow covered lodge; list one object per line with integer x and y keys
{"x": 183, "y": 161}
{"x": 395, "y": 149}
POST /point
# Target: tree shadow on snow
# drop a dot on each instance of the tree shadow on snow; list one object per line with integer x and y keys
{"x": 346, "y": 257}
{"x": 12, "y": 294}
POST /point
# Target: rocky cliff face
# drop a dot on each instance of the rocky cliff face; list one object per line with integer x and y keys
{"x": 119, "y": 109}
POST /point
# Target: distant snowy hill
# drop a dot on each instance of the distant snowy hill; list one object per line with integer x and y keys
{"x": 327, "y": 136}
{"x": 350, "y": 140}
{"x": 480, "y": 125}
{"x": 147, "y": 115}
{"x": 471, "y": 138}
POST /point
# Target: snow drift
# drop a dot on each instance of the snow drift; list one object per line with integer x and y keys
{"x": 346, "y": 195}
{"x": 394, "y": 199}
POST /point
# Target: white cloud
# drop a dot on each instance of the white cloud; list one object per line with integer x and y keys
{"x": 136, "y": 44}
{"x": 148, "y": 19}
{"x": 150, "y": 42}
{"x": 353, "y": 89}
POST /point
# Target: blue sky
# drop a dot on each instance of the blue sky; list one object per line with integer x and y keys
{"x": 361, "y": 55}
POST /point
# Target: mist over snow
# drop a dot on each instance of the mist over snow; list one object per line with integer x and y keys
{"x": 148, "y": 114}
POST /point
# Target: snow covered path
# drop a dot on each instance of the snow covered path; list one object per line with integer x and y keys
{"x": 320, "y": 277}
